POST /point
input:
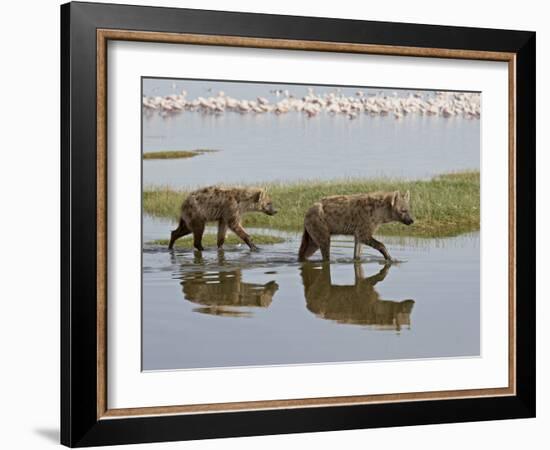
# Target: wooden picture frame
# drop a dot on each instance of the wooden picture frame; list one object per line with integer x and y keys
{"x": 86, "y": 418}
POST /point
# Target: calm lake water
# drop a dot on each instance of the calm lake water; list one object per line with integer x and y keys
{"x": 288, "y": 147}
{"x": 240, "y": 308}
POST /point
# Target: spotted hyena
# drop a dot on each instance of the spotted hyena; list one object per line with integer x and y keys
{"x": 222, "y": 205}
{"x": 358, "y": 215}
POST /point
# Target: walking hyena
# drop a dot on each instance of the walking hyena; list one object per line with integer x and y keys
{"x": 224, "y": 205}
{"x": 359, "y": 215}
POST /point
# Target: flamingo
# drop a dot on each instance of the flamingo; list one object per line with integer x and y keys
{"x": 441, "y": 104}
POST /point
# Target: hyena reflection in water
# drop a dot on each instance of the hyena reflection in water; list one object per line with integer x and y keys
{"x": 358, "y": 304}
{"x": 224, "y": 293}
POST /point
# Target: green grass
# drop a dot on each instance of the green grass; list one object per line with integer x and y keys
{"x": 210, "y": 240}
{"x": 175, "y": 154}
{"x": 446, "y": 205}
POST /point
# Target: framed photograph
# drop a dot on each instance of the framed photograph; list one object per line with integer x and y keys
{"x": 276, "y": 224}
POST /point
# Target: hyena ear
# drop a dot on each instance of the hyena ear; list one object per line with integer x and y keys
{"x": 407, "y": 196}
{"x": 394, "y": 198}
{"x": 257, "y": 196}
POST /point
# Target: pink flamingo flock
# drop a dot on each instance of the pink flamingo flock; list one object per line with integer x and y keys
{"x": 442, "y": 104}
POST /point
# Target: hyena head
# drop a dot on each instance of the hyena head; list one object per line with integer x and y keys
{"x": 406, "y": 306}
{"x": 400, "y": 207}
{"x": 262, "y": 202}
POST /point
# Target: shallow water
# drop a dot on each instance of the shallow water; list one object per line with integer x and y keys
{"x": 238, "y": 308}
{"x": 289, "y": 147}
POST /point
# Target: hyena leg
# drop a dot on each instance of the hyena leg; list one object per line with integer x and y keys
{"x": 239, "y": 231}
{"x": 198, "y": 231}
{"x": 357, "y": 248}
{"x": 372, "y": 280}
{"x": 320, "y": 235}
{"x": 180, "y": 231}
{"x": 325, "y": 250}
{"x": 308, "y": 246}
{"x": 380, "y": 247}
{"x": 358, "y": 271}
{"x": 222, "y": 231}
{"x": 312, "y": 247}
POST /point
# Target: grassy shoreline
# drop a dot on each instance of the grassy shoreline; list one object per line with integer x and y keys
{"x": 210, "y": 240}
{"x": 176, "y": 154}
{"x": 446, "y": 205}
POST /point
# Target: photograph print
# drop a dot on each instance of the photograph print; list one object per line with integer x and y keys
{"x": 287, "y": 224}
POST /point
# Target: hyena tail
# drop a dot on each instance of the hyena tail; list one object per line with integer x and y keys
{"x": 306, "y": 247}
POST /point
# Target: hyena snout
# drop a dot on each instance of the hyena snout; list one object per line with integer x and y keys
{"x": 271, "y": 287}
{"x": 406, "y": 305}
{"x": 270, "y": 210}
{"x": 405, "y": 218}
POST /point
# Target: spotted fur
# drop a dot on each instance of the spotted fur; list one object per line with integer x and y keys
{"x": 357, "y": 215}
{"x": 224, "y": 206}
